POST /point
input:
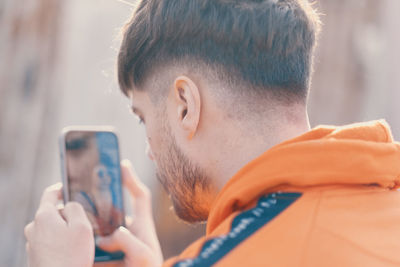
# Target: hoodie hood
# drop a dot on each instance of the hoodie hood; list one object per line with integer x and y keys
{"x": 357, "y": 154}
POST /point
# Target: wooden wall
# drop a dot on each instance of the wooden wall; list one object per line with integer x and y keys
{"x": 56, "y": 68}
{"x": 28, "y": 56}
{"x": 357, "y": 64}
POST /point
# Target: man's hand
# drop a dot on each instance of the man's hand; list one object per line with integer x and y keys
{"x": 56, "y": 241}
{"x": 138, "y": 240}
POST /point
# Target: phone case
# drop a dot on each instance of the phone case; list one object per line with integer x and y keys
{"x": 102, "y": 198}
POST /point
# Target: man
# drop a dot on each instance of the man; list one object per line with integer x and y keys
{"x": 221, "y": 86}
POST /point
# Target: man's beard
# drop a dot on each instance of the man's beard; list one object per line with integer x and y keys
{"x": 187, "y": 186}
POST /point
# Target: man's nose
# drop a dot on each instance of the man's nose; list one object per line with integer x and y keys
{"x": 149, "y": 153}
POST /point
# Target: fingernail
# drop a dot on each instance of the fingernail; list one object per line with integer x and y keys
{"x": 56, "y": 186}
{"x": 123, "y": 229}
{"x": 97, "y": 240}
{"x": 126, "y": 162}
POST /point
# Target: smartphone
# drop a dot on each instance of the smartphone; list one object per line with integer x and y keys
{"x": 91, "y": 175}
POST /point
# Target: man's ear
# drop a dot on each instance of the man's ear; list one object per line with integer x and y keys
{"x": 187, "y": 97}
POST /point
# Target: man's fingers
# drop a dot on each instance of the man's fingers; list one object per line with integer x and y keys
{"x": 51, "y": 195}
{"x": 140, "y": 193}
{"x": 47, "y": 214}
{"x": 75, "y": 215}
{"x": 121, "y": 240}
{"x": 143, "y": 225}
{"x": 28, "y": 230}
{"x": 131, "y": 181}
{"x": 136, "y": 252}
{"x": 109, "y": 264}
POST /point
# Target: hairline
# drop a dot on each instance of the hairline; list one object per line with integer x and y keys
{"x": 215, "y": 75}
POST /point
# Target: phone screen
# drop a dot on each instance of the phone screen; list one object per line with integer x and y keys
{"x": 94, "y": 180}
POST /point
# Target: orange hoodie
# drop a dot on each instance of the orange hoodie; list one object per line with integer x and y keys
{"x": 326, "y": 198}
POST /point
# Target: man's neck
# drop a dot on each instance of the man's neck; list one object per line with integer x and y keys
{"x": 246, "y": 146}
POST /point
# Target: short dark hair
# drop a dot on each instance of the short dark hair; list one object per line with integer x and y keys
{"x": 266, "y": 44}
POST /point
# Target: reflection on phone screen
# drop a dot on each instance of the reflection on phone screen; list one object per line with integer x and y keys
{"x": 94, "y": 178}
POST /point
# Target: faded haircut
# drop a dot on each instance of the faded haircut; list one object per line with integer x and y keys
{"x": 265, "y": 44}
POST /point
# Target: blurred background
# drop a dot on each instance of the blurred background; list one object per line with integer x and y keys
{"x": 57, "y": 68}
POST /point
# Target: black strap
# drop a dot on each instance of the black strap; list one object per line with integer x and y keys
{"x": 244, "y": 225}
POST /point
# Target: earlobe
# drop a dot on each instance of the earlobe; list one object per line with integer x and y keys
{"x": 188, "y": 100}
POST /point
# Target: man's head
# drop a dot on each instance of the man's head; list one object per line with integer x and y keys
{"x": 206, "y": 73}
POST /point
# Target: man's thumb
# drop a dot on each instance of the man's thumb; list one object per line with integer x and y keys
{"x": 136, "y": 252}
{"x": 120, "y": 240}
